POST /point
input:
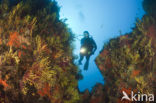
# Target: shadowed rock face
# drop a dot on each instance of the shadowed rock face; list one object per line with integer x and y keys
{"x": 96, "y": 96}
{"x": 149, "y": 7}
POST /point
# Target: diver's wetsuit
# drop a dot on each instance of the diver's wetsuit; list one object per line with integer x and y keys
{"x": 90, "y": 45}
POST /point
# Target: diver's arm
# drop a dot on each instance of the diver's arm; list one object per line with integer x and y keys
{"x": 82, "y": 41}
{"x": 95, "y": 46}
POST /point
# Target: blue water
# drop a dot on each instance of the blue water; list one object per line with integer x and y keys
{"x": 104, "y": 19}
{"x": 91, "y": 76}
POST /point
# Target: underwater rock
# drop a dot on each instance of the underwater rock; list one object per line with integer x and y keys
{"x": 149, "y": 7}
{"x": 128, "y": 62}
{"x": 33, "y": 45}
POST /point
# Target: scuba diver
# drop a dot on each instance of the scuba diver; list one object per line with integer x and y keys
{"x": 88, "y": 48}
